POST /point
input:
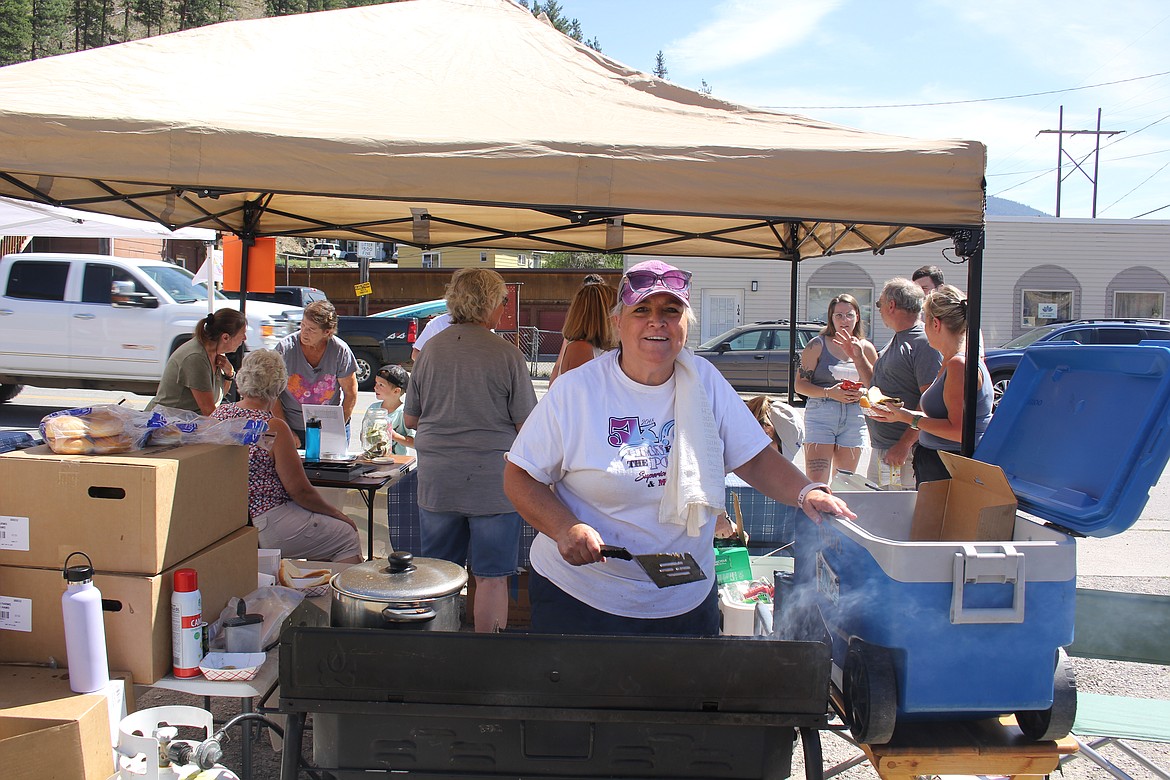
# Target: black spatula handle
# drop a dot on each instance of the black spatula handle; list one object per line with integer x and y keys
{"x": 616, "y": 552}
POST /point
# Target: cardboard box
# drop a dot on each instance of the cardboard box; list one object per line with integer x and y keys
{"x": 21, "y": 686}
{"x": 138, "y": 608}
{"x": 732, "y": 565}
{"x": 60, "y": 736}
{"x": 975, "y": 505}
{"x": 519, "y": 610}
{"x": 139, "y": 513}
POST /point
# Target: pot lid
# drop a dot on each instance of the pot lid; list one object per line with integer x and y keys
{"x": 402, "y": 577}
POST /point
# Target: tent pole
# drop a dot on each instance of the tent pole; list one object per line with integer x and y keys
{"x": 794, "y": 278}
{"x": 974, "y": 305}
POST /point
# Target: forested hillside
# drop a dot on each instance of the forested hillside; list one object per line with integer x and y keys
{"x": 31, "y": 29}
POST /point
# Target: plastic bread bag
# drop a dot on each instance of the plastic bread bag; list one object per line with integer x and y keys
{"x": 180, "y": 426}
{"x": 105, "y": 429}
{"x": 274, "y": 602}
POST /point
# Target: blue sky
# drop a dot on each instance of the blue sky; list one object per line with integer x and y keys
{"x": 822, "y": 58}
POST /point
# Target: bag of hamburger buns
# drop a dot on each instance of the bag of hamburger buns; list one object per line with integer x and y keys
{"x": 105, "y": 429}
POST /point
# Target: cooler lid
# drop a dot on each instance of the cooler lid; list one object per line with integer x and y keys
{"x": 1082, "y": 433}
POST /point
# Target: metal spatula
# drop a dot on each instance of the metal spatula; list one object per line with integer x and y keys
{"x": 664, "y": 569}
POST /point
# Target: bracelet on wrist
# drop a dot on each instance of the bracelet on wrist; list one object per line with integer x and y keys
{"x": 810, "y": 487}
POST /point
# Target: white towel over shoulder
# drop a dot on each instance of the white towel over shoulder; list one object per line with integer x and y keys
{"x": 694, "y": 475}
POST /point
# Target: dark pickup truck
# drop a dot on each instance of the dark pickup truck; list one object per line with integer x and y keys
{"x": 375, "y": 341}
{"x": 378, "y": 341}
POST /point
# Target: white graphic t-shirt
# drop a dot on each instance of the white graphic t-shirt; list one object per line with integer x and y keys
{"x": 604, "y": 441}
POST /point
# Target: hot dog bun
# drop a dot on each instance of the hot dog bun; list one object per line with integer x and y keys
{"x": 292, "y": 577}
{"x": 99, "y": 433}
{"x": 876, "y": 397}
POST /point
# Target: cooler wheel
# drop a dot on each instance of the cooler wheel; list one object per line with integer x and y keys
{"x": 871, "y": 692}
{"x": 1056, "y": 721}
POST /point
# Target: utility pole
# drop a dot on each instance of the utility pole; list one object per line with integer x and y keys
{"x": 1061, "y": 153}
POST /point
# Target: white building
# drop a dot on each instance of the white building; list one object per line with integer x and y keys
{"x": 1035, "y": 270}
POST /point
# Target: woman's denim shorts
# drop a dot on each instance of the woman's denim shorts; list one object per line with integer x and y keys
{"x": 831, "y": 422}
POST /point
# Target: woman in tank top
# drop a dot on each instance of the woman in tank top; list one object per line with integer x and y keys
{"x": 940, "y": 421}
{"x": 834, "y": 431}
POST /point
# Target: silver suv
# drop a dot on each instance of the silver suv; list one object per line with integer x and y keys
{"x": 331, "y": 251}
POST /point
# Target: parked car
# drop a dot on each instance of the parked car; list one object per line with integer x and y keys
{"x": 1002, "y": 362}
{"x": 327, "y": 250}
{"x": 386, "y": 337}
{"x": 286, "y": 295}
{"x": 423, "y": 310}
{"x": 755, "y": 357}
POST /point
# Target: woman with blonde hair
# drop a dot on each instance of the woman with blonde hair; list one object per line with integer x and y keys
{"x": 835, "y": 432}
{"x": 940, "y": 421}
{"x": 589, "y": 330}
{"x": 468, "y": 395}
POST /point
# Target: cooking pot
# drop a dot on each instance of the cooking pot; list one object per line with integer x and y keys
{"x": 402, "y": 592}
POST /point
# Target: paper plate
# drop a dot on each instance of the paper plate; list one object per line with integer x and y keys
{"x": 231, "y": 667}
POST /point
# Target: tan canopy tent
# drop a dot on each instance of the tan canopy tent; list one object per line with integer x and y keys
{"x": 457, "y": 122}
{"x": 461, "y": 122}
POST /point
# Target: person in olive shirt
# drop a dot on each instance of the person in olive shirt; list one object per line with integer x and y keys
{"x": 198, "y": 373}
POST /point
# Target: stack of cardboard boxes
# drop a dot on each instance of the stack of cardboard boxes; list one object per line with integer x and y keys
{"x": 139, "y": 517}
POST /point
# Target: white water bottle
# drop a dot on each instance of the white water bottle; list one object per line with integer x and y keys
{"x": 186, "y": 624}
{"x": 85, "y": 630}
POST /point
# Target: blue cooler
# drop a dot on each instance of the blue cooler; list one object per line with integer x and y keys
{"x": 949, "y": 630}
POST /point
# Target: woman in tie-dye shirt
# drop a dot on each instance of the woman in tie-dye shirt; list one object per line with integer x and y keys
{"x": 321, "y": 368}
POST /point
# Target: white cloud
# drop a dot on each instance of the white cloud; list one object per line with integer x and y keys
{"x": 746, "y": 30}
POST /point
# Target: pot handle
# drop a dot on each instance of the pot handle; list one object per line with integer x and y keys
{"x": 408, "y": 614}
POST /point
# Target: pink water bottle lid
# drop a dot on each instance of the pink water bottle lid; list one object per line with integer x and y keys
{"x": 186, "y": 580}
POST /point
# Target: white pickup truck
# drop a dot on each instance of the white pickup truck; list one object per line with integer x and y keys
{"x": 104, "y": 322}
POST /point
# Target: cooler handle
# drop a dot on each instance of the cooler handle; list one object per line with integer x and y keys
{"x": 993, "y": 564}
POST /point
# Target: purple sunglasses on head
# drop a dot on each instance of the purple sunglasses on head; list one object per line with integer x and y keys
{"x": 637, "y": 282}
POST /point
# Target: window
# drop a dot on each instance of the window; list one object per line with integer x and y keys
{"x": 751, "y": 340}
{"x": 483, "y": 257}
{"x": 819, "y": 297}
{"x": 1139, "y": 304}
{"x": 98, "y": 282}
{"x": 37, "y": 280}
{"x": 1040, "y": 307}
{"x": 431, "y": 259}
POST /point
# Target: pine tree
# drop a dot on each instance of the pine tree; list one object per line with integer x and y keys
{"x": 556, "y": 16}
{"x": 284, "y": 7}
{"x": 50, "y": 29}
{"x": 660, "y": 66}
{"x": 15, "y": 30}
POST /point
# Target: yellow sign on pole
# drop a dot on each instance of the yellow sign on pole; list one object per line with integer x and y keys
{"x": 363, "y": 288}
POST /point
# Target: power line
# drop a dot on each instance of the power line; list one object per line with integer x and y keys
{"x": 1126, "y": 195}
{"x": 1151, "y": 211}
{"x": 973, "y": 100}
{"x": 1049, "y": 170}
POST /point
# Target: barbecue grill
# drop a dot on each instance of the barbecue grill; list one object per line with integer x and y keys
{"x": 464, "y": 705}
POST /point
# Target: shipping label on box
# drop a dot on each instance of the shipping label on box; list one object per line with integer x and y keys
{"x": 139, "y": 513}
{"x": 137, "y": 608}
{"x": 976, "y": 504}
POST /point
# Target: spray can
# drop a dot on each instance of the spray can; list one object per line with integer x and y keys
{"x": 85, "y": 630}
{"x": 186, "y": 624}
{"x": 313, "y": 440}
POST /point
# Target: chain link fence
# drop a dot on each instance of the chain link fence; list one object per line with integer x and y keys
{"x": 540, "y": 348}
